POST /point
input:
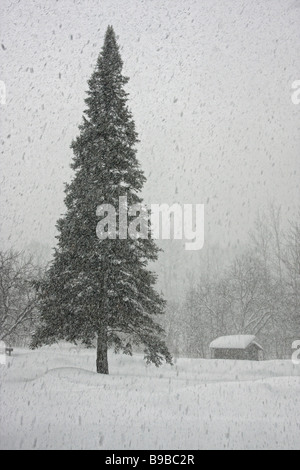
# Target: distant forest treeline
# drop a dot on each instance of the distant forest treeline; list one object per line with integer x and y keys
{"x": 258, "y": 293}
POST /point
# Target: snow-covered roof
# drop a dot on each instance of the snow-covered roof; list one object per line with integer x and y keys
{"x": 234, "y": 342}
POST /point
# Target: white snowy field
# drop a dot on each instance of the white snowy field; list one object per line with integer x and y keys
{"x": 52, "y": 399}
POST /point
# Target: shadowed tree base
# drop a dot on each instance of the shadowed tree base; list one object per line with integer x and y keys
{"x": 102, "y": 360}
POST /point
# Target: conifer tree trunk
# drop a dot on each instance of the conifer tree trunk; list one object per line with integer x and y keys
{"x": 102, "y": 359}
{"x": 102, "y": 337}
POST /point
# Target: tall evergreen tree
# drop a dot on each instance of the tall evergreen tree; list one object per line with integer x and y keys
{"x": 102, "y": 288}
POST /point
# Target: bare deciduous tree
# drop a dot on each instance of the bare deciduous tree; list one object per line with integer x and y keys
{"x": 257, "y": 292}
{"x": 17, "y": 295}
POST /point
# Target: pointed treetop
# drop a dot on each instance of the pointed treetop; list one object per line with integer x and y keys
{"x": 110, "y": 37}
{"x": 110, "y": 48}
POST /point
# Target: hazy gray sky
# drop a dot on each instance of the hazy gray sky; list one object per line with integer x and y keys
{"x": 210, "y": 91}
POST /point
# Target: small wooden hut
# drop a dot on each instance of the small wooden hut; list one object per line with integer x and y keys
{"x": 238, "y": 347}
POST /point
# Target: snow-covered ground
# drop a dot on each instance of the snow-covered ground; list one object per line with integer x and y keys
{"x": 52, "y": 399}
